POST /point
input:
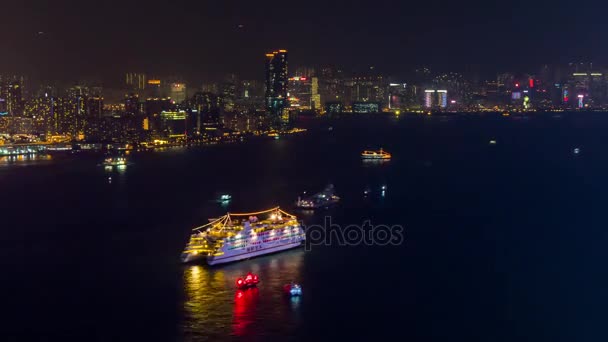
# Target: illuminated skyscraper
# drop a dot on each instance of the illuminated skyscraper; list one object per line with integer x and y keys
{"x": 276, "y": 86}
{"x": 74, "y": 111}
{"x": 300, "y": 92}
{"x": 135, "y": 81}
{"x": 177, "y": 92}
{"x": 95, "y": 107}
{"x": 153, "y": 88}
{"x": 14, "y": 99}
{"x": 429, "y": 96}
{"x": 132, "y": 104}
{"x": 316, "y": 96}
{"x": 442, "y": 98}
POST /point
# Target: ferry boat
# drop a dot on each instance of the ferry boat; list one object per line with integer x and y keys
{"x": 324, "y": 198}
{"x": 235, "y": 237}
{"x": 381, "y": 155}
{"x": 115, "y": 161}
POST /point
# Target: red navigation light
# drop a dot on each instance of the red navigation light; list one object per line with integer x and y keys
{"x": 531, "y": 83}
{"x": 516, "y": 85}
{"x": 302, "y": 78}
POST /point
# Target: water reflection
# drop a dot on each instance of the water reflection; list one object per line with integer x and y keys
{"x": 295, "y": 302}
{"x": 375, "y": 162}
{"x": 214, "y": 309}
{"x": 24, "y": 159}
{"x": 245, "y": 304}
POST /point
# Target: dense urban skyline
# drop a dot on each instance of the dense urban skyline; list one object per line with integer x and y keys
{"x": 70, "y": 40}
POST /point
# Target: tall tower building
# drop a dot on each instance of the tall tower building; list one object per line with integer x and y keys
{"x": 132, "y": 104}
{"x": 135, "y": 81}
{"x": 276, "y": 87}
{"x": 177, "y": 92}
{"x": 442, "y": 97}
{"x": 95, "y": 107}
{"x": 316, "y": 96}
{"x": 429, "y": 95}
{"x": 14, "y": 99}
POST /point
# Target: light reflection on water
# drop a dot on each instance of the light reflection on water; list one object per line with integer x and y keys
{"x": 26, "y": 159}
{"x": 214, "y": 309}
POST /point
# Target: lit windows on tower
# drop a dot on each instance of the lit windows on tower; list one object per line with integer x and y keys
{"x": 135, "y": 81}
{"x": 276, "y": 86}
{"x": 429, "y": 94}
{"x": 442, "y": 97}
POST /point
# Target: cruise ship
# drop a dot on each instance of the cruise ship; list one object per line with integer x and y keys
{"x": 377, "y": 155}
{"x": 235, "y": 237}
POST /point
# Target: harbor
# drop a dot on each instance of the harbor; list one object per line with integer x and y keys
{"x": 84, "y": 250}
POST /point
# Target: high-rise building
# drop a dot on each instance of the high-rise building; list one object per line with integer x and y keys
{"x": 173, "y": 123}
{"x": 95, "y": 107}
{"x": 153, "y": 88}
{"x": 276, "y": 87}
{"x": 74, "y": 111}
{"x": 132, "y": 104}
{"x": 442, "y": 98}
{"x": 435, "y": 98}
{"x": 177, "y": 92}
{"x": 14, "y": 99}
{"x": 136, "y": 81}
{"x": 306, "y": 71}
{"x": 316, "y": 96}
{"x": 206, "y": 111}
{"x": 300, "y": 92}
{"x": 3, "y": 107}
{"x": 429, "y": 96}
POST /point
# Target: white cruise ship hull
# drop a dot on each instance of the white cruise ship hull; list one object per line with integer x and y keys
{"x": 242, "y": 255}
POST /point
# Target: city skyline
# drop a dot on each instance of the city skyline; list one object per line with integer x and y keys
{"x": 65, "y": 42}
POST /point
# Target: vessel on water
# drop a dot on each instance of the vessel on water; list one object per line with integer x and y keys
{"x": 115, "y": 161}
{"x": 322, "y": 199}
{"x": 247, "y": 282}
{"x": 376, "y": 155}
{"x": 293, "y": 289}
{"x": 235, "y": 237}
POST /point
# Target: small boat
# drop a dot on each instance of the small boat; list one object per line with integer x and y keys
{"x": 293, "y": 289}
{"x": 506, "y": 113}
{"x": 376, "y": 155}
{"x": 324, "y": 198}
{"x": 115, "y": 161}
{"x": 249, "y": 281}
{"x": 224, "y": 198}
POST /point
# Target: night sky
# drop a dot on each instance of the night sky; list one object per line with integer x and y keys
{"x": 202, "y": 39}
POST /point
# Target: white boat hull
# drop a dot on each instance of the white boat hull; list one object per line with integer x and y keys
{"x": 222, "y": 259}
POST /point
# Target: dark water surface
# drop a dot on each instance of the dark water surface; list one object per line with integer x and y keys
{"x": 502, "y": 243}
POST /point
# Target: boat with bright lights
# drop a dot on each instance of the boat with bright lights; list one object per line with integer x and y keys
{"x": 325, "y": 198}
{"x": 115, "y": 161}
{"x": 293, "y": 289}
{"x": 248, "y": 281}
{"x": 235, "y": 237}
{"x": 376, "y": 155}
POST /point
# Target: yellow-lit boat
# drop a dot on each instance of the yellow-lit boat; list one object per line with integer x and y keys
{"x": 376, "y": 155}
{"x": 235, "y": 237}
